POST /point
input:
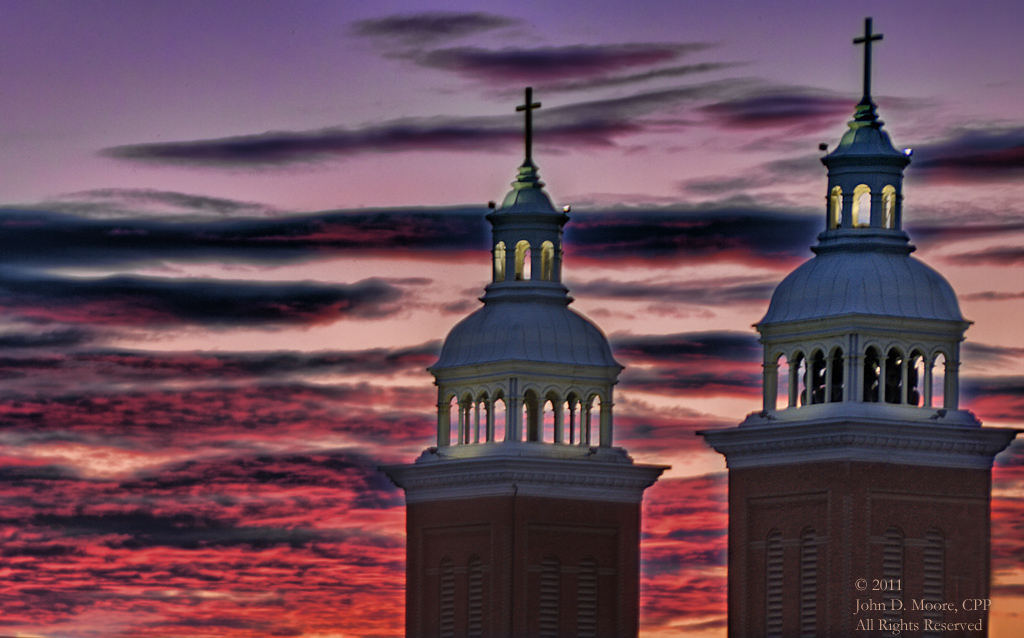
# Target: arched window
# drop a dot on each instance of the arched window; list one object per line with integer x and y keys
{"x": 572, "y": 411}
{"x": 798, "y": 380}
{"x": 483, "y": 423}
{"x": 782, "y": 379}
{"x": 498, "y": 433}
{"x": 548, "y": 431}
{"x": 861, "y": 210}
{"x": 938, "y": 395}
{"x": 522, "y": 260}
{"x": 835, "y": 208}
{"x": 586, "y": 599}
{"x": 889, "y": 206}
{"x": 499, "y": 261}
{"x": 818, "y": 370}
{"x": 836, "y": 373}
{"x": 532, "y": 415}
{"x": 872, "y": 375}
{"x": 894, "y": 376}
{"x": 547, "y": 261}
{"x": 447, "y": 598}
{"x": 915, "y": 379}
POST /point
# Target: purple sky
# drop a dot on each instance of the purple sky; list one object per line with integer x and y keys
{"x": 233, "y": 235}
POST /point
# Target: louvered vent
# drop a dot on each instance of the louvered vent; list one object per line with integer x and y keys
{"x": 773, "y": 588}
{"x": 475, "y": 619}
{"x": 808, "y": 585}
{"x": 447, "y": 598}
{"x": 934, "y": 576}
{"x": 586, "y": 600}
{"x": 549, "y": 583}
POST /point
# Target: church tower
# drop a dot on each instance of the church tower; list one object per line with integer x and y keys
{"x": 861, "y": 481}
{"x": 524, "y": 519}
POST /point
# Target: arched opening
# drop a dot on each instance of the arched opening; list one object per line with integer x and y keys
{"x": 498, "y": 433}
{"x": 861, "y": 210}
{"x": 466, "y": 419}
{"x": 499, "y": 261}
{"x": 894, "y": 376}
{"x": 547, "y": 261}
{"x": 889, "y": 206}
{"x": 482, "y": 421}
{"x": 835, "y": 376}
{"x": 818, "y": 369}
{"x": 938, "y": 386}
{"x": 835, "y": 208}
{"x": 572, "y": 411}
{"x": 915, "y": 379}
{"x": 591, "y": 420}
{"x": 798, "y": 380}
{"x": 872, "y": 375}
{"x": 548, "y": 431}
{"x": 522, "y": 260}
{"x": 531, "y": 415}
{"x": 451, "y": 421}
{"x": 782, "y": 379}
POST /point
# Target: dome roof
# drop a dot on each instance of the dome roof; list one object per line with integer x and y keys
{"x": 890, "y": 284}
{"x": 525, "y": 331}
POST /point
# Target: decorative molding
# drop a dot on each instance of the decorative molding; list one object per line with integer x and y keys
{"x": 900, "y": 443}
{"x": 607, "y": 477}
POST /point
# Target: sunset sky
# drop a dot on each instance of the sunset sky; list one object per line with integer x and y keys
{"x": 233, "y": 235}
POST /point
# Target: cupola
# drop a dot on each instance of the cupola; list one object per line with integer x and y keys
{"x": 863, "y": 325}
{"x": 525, "y": 368}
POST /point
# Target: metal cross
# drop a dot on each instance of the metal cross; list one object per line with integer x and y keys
{"x": 528, "y": 107}
{"x": 866, "y": 41}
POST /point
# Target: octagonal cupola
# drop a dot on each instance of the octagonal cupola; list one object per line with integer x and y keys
{"x": 525, "y": 368}
{"x": 863, "y": 329}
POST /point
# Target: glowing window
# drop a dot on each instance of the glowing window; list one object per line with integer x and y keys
{"x": 861, "y": 210}
{"x": 835, "y": 208}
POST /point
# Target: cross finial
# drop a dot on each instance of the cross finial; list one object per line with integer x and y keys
{"x": 866, "y": 40}
{"x": 528, "y": 107}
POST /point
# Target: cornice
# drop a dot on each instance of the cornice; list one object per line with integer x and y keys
{"x": 905, "y": 444}
{"x": 436, "y": 477}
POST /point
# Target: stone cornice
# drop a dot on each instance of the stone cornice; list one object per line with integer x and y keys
{"x": 903, "y": 443}
{"x": 598, "y": 477}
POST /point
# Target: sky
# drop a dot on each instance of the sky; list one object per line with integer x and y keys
{"x": 233, "y": 235}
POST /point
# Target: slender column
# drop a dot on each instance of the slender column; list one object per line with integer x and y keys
{"x": 461, "y": 423}
{"x": 883, "y": 379}
{"x": 771, "y": 385}
{"x": 848, "y": 209}
{"x": 513, "y": 412}
{"x": 476, "y": 422}
{"x": 558, "y": 415}
{"x": 585, "y": 429}
{"x": 853, "y": 384}
{"x": 928, "y": 383}
{"x": 794, "y": 384}
{"x": 905, "y": 378}
{"x": 572, "y": 422}
{"x": 444, "y": 421}
{"x": 876, "y": 209}
{"x": 490, "y": 419}
{"x": 951, "y": 400}
{"x": 606, "y": 422}
{"x": 829, "y": 362}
